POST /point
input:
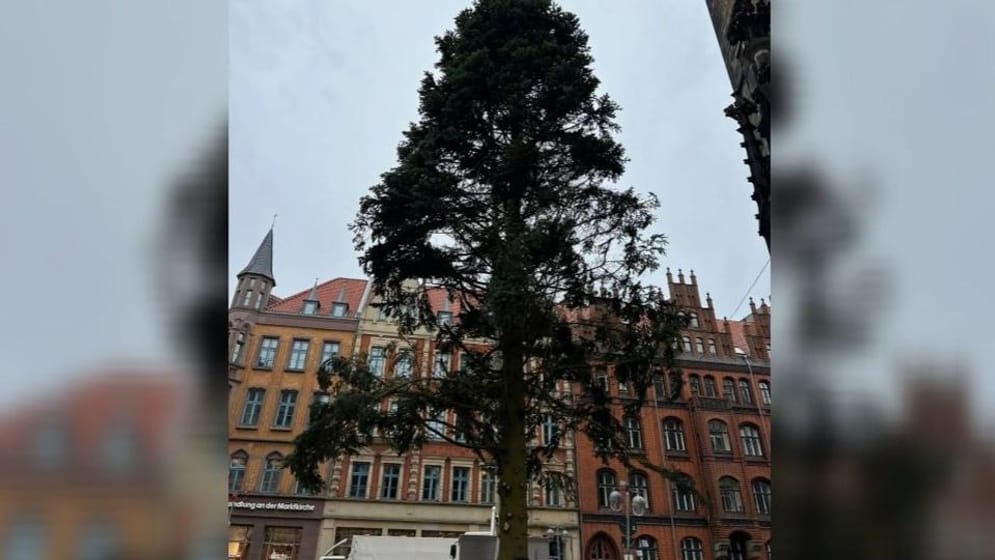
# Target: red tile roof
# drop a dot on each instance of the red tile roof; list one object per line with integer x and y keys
{"x": 327, "y": 293}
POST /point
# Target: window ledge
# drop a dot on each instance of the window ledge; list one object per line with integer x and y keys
{"x": 246, "y": 427}
{"x": 262, "y": 368}
{"x": 293, "y": 370}
{"x": 282, "y": 428}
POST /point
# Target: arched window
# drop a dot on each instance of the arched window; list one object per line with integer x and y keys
{"x": 695, "y": 383}
{"x": 640, "y": 485}
{"x": 711, "y": 347}
{"x": 745, "y": 394}
{"x": 729, "y": 389}
{"x": 710, "y": 386}
{"x": 770, "y": 553}
{"x": 694, "y": 320}
{"x": 718, "y": 434}
{"x": 402, "y": 365}
{"x": 686, "y": 343}
{"x": 673, "y": 435}
{"x": 270, "y": 481}
{"x": 749, "y": 435}
{"x": 236, "y": 471}
{"x": 732, "y": 499}
{"x": 762, "y": 495}
{"x": 680, "y": 492}
{"x": 606, "y": 483}
{"x": 633, "y": 432}
{"x": 699, "y": 345}
{"x": 691, "y": 549}
{"x": 765, "y": 392}
{"x": 601, "y": 549}
{"x": 646, "y": 548}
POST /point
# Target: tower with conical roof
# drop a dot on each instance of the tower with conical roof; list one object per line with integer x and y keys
{"x": 256, "y": 280}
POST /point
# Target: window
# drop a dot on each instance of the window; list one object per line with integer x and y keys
{"x": 552, "y": 487}
{"x": 550, "y": 430}
{"x": 770, "y": 554}
{"x": 710, "y": 386}
{"x": 461, "y": 485}
{"x": 382, "y": 313}
{"x": 765, "y": 392}
{"x": 300, "y": 490}
{"x": 259, "y": 301}
{"x": 440, "y": 368}
{"x": 673, "y": 435}
{"x": 359, "y": 480}
{"x": 719, "y": 436}
{"x": 445, "y": 318}
{"x": 646, "y": 548}
{"x": 236, "y": 471}
{"x": 310, "y": 307}
{"x": 711, "y": 347}
{"x": 285, "y": 411}
{"x": 252, "y": 407}
{"x": 236, "y": 353}
{"x": 750, "y": 437}
{"x": 329, "y": 350}
{"x": 732, "y": 500}
{"x": 270, "y": 481}
{"x": 298, "y": 355}
{"x": 633, "y": 432}
{"x": 436, "y": 426}
{"x": 729, "y": 389}
{"x": 431, "y": 482}
{"x": 640, "y": 485}
{"x": 267, "y": 352}
{"x": 487, "y": 484}
{"x": 25, "y": 539}
{"x": 745, "y": 395}
{"x": 660, "y": 388}
{"x": 699, "y": 345}
{"x": 694, "y": 320}
{"x": 282, "y": 542}
{"x": 761, "y": 496}
{"x": 247, "y": 299}
{"x": 686, "y": 343}
{"x": 680, "y": 492}
{"x": 100, "y": 542}
{"x": 402, "y": 365}
{"x": 376, "y": 361}
{"x": 695, "y": 382}
{"x": 623, "y": 387}
{"x": 606, "y": 484}
{"x": 602, "y": 549}
{"x": 339, "y": 309}
{"x": 691, "y": 549}
{"x": 601, "y": 379}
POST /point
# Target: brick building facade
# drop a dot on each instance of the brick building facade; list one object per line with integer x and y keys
{"x": 717, "y": 433}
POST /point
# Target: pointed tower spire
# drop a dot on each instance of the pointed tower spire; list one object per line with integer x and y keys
{"x": 262, "y": 262}
{"x": 708, "y": 299}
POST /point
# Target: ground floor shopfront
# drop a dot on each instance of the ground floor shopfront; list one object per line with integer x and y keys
{"x": 274, "y": 529}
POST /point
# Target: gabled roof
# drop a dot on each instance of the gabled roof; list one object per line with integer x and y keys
{"x": 737, "y": 331}
{"x": 262, "y": 262}
{"x": 350, "y": 290}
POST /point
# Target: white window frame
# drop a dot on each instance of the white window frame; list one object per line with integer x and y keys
{"x": 369, "y": 478}
{"x": 383, "y": 473}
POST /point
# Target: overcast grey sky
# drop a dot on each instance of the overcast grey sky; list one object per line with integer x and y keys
{"x": 320, "y": 92}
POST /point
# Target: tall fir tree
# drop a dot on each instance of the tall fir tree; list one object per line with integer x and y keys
{"x": 504, "y": 196}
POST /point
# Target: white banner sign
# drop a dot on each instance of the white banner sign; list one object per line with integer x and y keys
{"x": 271, "y": 506}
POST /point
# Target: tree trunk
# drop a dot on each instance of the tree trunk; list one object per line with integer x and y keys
{"x": 514, "y": 482}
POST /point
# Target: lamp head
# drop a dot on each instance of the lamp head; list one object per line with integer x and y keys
{"x": 638, "y": 505}
{"x": 615, "y": 501}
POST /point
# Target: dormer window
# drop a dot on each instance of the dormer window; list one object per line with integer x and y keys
{"x": 339, "y": 309}
{"x": 445, "y": 318}
{"x": 310, "y": 307}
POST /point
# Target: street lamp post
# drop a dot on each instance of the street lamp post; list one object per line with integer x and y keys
{"x": 556, "y": 534}
{"x": 634, "y": 504}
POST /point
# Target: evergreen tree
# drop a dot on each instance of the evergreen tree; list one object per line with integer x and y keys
{"x": 504, "y": 196}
